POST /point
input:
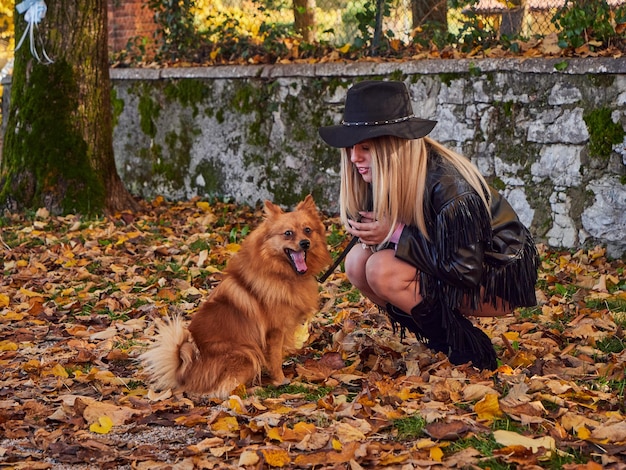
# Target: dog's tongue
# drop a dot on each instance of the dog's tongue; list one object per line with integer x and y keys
{"x": 299, "y": 261}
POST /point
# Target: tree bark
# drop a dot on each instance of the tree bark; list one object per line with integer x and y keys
{"x": 304, "y": 19}
{"x": 429, "y": 11}
{"x": 58, "y": 149}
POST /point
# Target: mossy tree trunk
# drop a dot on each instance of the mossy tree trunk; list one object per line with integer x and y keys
{"x": 58, "y": 149}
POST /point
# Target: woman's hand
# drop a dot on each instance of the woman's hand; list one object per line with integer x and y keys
{"x": 369, "y": 230}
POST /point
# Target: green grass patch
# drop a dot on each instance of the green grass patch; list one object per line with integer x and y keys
{"x": 409, "y": 428}
{"x": 199, "y": 245}
{"x": 310, "y": 393}
{"x": 611, "y": 344}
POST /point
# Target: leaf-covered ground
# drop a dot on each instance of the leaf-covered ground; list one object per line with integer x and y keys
{"x": 77, "y": 304}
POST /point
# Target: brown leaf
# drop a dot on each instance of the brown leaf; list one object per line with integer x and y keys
{"x": 447, "y": 430}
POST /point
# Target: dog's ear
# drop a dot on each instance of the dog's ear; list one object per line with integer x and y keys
{"x": 308, "y": 204}
{"x": 272, "y": 209}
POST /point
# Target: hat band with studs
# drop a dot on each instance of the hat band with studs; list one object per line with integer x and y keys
{"x": 377, "y": 123}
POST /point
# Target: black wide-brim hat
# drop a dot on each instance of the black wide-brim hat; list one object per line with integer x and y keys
{"x": 374, "y": 109}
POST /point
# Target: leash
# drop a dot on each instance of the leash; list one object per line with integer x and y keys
{"x": 339, "y": 259}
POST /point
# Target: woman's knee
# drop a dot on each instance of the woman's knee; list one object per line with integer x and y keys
{"x": 381, "y": 272}
{"x": 355, "y": 268}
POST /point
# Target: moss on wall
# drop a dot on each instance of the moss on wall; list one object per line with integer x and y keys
{"x": 174, "y": 166}
{"x": 149, "y": 111}
{"x": 603, "y": 132}
{"x": 256, "y": 97}
{"x": 448, "y": 78}
{"x": 117, "y": 107}
{"x": 189, "y": 93}
{"x": 214, "y": 175}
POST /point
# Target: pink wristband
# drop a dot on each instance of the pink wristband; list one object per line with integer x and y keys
{"x": 395, "y": 236}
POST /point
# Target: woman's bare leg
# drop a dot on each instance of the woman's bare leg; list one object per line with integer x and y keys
{"x": 393, "y": 280}
{"x": 356, "y": 261}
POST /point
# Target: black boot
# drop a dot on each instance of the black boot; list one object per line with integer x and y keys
{"x": 471, "y": 344}
{"x": 464, "y": 341}
{"x": 433, "y": 337}
{"x": 399, "y": 317}
{"x": 428, "y": 320}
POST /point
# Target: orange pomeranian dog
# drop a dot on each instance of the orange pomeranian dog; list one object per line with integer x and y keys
{"x": 249, "y": 321}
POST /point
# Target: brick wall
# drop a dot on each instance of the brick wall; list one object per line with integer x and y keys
{"x": 128, "y": 19}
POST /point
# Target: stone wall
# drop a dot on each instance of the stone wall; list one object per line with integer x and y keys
{"x": 549, "y": 134}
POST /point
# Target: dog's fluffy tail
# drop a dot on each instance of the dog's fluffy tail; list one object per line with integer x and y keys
{"x": 172, "y": 352}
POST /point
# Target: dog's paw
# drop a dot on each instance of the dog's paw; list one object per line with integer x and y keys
{"x": 281, "y": 381}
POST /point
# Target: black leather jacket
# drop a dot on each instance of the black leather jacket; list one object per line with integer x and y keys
{"x": 467, "y": 247}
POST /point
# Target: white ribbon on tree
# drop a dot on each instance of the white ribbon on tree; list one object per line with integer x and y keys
{"x": 35, "y": 10}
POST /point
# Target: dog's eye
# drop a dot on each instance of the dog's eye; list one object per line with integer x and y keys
{"x": 308, "y": 231}
{"x": 289, "y": 233}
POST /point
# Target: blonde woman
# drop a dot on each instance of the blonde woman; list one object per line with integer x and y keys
{"x": 437, "y": 244}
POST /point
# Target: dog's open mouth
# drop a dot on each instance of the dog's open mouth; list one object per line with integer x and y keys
{"x": 298, "y": 260}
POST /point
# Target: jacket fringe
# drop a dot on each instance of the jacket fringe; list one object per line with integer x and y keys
{"x": 462, "y": 222}
{"x": 465, "y": 221}
{"x": 514, "y": 281}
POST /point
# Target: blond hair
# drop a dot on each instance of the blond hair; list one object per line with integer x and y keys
{"x": 398, "y": 181}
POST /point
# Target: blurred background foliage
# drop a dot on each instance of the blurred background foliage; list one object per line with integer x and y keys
{"x": 262, "y": 31}
{"x": 208, "y": 32}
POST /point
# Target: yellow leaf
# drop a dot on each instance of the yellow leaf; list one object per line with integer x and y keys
{"x": 7, "y": 345}
{"x": 488, "y": 408}
{"x": 392, "y": 459}
{"x": 12, "y": 316}
{"x": 424, "y": 444}
{"x": 436, "y": 454}
{"x": 336, "y": 443}
{"x": 123, "y": 239}
{"x": 4, "y": 300}
{"x": 301, "y": 335}
{"x": 583, "y": 433}
{"x": 509, "y": 438}
{"x": 233, "y": 247}
{"x": 275, "y": 434}
{"x": 276, "y": 457}
{"x": 345, "y": 49}
{"x": 240, "y": 391}
{"x": 235, "y": 404}
{"x": 512, "y": 335}
{"x": 406, "y": 394}
{"x": 203, "y": 206}
{"x": 214, "y": 53}
{"x": 102, "y": 426}
{"x": 30, "y": 366}
{"x": 30, "y": 293}
{"x": 523, "y": 359}
{"x": 302, "y": 428}
{"x": 227, "y": 424}
{"x": 59, "y": 371}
